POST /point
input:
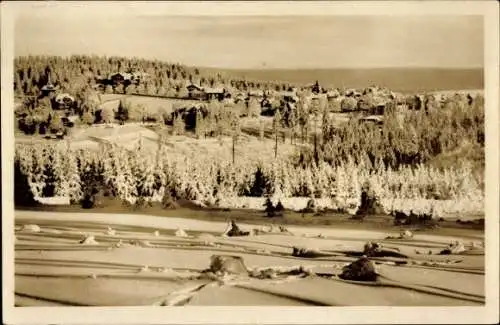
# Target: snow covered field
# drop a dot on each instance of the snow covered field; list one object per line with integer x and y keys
{"x": 118, "y": 260}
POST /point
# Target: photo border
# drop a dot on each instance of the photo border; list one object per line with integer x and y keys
{"x": 262, "y": 315}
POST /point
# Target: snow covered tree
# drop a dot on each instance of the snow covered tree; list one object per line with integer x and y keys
{"x": 23, "y": 196}
{"x": 200, "y": 127}
{"x": 107, "y": 115}
{"x": 122, "y": 113}
{"x": 253, "y": 109}
{"x": 56, "y": 124}
{"x": 88, "y": 118}
{"x": 179, "y": 126}
{"x": 49, "y": 176}
{"x": 74, "y": 190}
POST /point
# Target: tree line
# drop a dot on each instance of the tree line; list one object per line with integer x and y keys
{"x": 74, "y": 74}
{"x": 133, "y": 176}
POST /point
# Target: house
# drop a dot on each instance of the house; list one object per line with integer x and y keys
{"x": 315, "y": 88}
{"x": 270, "y": 93}
{"x": 373, "y": 119}
{"x": 376, "y": 121}
{"x": 48, "y": 90}
{"x": 379, "y": 105}
{"x": 195, "y": 91}
{"x": 331, "y": 94}
{"x": 64, "y": 101}
{"x": 352, "y": 93}
{"x": 289, "y": 96}
{"x": 239, "y": 97}
{"x": 214, "y": 93}
{"x": 139, "y": 77}
{"x": 256, "y": 93}
{"x": 121, "y": 78}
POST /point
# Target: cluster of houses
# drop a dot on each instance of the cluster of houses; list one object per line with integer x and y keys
{"x": 290, "y": 95}
{"x": 220, "y": 93}
{"x": 372, "y": 100}
{"x": 206, "y": 93}
{"x": 60, "y": 101}
{"x": 123, "y": 78}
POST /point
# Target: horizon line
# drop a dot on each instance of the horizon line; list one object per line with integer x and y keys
{"x": 260, "y": 68}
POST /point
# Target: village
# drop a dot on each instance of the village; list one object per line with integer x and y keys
{"x": 264, "y": 160}
{"x": 109, "y": 93}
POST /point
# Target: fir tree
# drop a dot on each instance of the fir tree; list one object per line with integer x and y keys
{"x": 260, "y": 183}
{"x": 179, "y": 126}
{"x": 200, "y": 128}
{"x": 122, "y": 113}
{"x": 49, "y": 177}
{"x": 23, "y": 195}
{"x": 270, "y": 209}
{"x": 74, "y": 191}
{"x": 88, "y": 118}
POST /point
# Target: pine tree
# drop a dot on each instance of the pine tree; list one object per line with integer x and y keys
{"x": 254, "y": 108}
{"x": 260, "y": 183}
{"x": 122, "y": 113}
{"x": 36, "y": 175}
{"x": 60, "y": 173}
{"x": 74, "y": 191}
{"x": 179, "y": 125}
{"x": 200, "y": 125}
{"x": 144, "y": 181}
{"x": 107, "y": 115}
{"x": 49, "y": 176}
{"x": 56, "y": 124}
{"x": 270, "y": 209}
{"x": 23, "y": 196}
{"x": 125, "y": 180}
{"x": 88, "y": 118}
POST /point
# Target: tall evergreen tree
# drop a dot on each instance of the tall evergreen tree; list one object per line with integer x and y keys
{"x": 23, "y": 195}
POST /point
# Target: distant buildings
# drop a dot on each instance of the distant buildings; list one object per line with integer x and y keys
{"x": 214, "y": 93}
{"x": 124, "y": 78}
{"x": 49, "y": 89}
{"x": 64, "y": 101}
{"x": 289, "y": 96}
{"x": 195, "y": 91}
{"x": 206, "y": 93}
{"x": 256, "y": 93}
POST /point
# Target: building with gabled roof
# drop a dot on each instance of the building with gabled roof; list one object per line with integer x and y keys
{"x": 214, "y": 93}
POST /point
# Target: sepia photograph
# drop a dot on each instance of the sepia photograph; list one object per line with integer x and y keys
{"x": 161, "y": 154}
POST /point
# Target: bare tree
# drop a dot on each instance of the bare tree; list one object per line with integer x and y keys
{"x": 235, "y": 130}
{"x": 261, "y": 130}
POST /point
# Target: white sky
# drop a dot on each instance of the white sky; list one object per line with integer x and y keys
{"x": 259, "y": 41}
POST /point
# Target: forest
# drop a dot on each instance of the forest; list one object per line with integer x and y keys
{"x": 399, "y": 160}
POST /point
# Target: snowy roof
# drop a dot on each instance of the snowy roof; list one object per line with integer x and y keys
{"x": 256, "y": 93}
{"x": 126, "y": 76}
{"x": 333, "y": 93}
{"x": 193, "y": 85}
{"x": 373, "y": 118}
{"x": 48, "y": 87}
{"x": 62, "y": 97}
{"x": 218, "y": 90}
